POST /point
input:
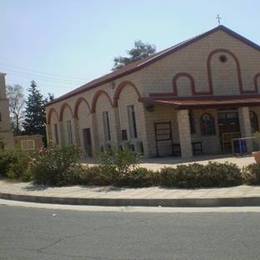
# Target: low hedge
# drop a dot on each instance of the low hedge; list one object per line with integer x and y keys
{"x": 139, "y": 177}
{"x": 251, "y": 174}
{"x": 56, "y": 166}
{"x": 61, "y": 166}
{"x": 183, "y": 176}
{"x": 198, "y": 176}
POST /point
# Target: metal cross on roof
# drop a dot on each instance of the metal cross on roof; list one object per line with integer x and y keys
{"x": 218, "y": 18}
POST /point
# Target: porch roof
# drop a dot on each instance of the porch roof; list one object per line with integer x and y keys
{"x": 204, "y": 102}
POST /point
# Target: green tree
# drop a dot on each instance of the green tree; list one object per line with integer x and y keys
{"x": 35, "y": 117}
{"x": 140, "y": 51}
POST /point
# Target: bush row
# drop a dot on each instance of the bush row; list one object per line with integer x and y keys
{"x": 61, "y": 166}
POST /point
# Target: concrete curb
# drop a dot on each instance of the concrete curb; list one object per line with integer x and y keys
{"x": 192, "y": 202}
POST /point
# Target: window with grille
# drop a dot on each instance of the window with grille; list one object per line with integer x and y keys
{"x": 192, "y": 122}
{"x": 69, "y": 132}
{"x": 124, "y": 135}
{"x": 56, "y": 134}
{"x": 254, "y": 122}
{"x": 132, "y": 121}
{"x": 207, "y": 124}
{"x": 106, "y": 125}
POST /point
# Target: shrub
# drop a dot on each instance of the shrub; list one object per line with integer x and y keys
{"x": 197, "y": 175}
{"x": 19, "y": 168}
{"x": 139, "y": 177}
{"x": 222, "y": 175}
{"x": 6, "y": 160}
{"x": 183, "y": 176}
{"x": 167, "y": 176}
{"x": 117, "y": 162}
{"x": 14, "y": 164}
{"x": 95, "y": 175}
{"x": 251, "y": 174}
{"x": 55, "y": 166}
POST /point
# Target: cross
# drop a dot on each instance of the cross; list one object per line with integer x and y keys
{"x": 218, "y": 18}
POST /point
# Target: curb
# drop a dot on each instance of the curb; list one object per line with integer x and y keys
{"x": 193, "y": 202}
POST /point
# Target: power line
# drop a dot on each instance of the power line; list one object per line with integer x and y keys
{"x": 54, "y": 85}
{"x": 32, "y": 71}
{"x": 45, "y": 78}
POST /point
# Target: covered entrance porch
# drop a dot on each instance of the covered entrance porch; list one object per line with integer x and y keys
{"x": 201, "y": 126}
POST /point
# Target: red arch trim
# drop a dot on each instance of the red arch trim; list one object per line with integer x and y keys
{"x": 192, "y": 84}
{"x": 182, "y": 75}
{"x": 239, "y": 77}
{"x": 64, "y": 105}
{"x": 52, "y": 110}
{"x": 79, "y": 101}
{"x": 95, "y": 99}
{"x": 120, "y": 89}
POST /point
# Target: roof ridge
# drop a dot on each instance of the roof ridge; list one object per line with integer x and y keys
{"x": 139, "y": 64}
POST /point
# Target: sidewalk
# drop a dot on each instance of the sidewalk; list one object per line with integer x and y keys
{"x": 158, "y": 163}
{"x": 152, "y": 196}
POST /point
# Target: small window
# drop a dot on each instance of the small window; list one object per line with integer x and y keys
{"x": 0, "y": 117}
{"x": 28, "y": 145}
{"x": 132, "y": 121}
{"x": 106, "y": 126}
{"x": 223, "y": 58}
{"x": 56, "y": 134}
{"x": 254, "y": 122}
{"x": 69, "y": 132}
{"x": 124, "y": 135}
{"x": 192, "y": 123}
{"x": 207, "y": 124}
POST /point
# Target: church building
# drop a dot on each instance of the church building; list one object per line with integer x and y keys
{"x": 192, "y": 98}
{"x": 6, "y": 136}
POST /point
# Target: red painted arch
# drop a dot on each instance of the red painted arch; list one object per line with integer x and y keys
{"x": 64, "y": 105}
{"x": 183, "y": 75}
{"x": 79, "y": 101}
{"x": 239, "y": 77}
{"x": 52, "y": 110}
{"x": 95, "y": 99}
{"x": 120, "y": 88}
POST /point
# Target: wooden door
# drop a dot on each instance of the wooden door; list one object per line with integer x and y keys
{"x": 163, "y": 138}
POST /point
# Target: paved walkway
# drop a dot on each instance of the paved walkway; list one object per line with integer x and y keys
{"x": 126, "y": 193}
{"x": 153, "y": 196}
{"x": 158, "y": 163}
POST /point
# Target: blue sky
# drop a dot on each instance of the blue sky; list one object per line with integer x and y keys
{"x": 64, "y": 43}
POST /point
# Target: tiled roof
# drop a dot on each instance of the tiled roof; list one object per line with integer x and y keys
{"x": 138, "y": 65}
{"x": 202, "y": 102}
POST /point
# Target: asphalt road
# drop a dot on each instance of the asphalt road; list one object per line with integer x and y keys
{"x": 30, "y": 233}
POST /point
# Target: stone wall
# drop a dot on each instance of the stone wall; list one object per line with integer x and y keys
{"x": 6, "y": 136}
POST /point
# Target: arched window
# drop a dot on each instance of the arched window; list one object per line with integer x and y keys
{"x": 254, "y": 122}
{"x": 207, "y": 124}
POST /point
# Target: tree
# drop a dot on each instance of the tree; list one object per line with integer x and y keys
{"x": 35, "y": 117}
{"x": 49, "y": 98}
{"x": 140, "y": 51}
{"x": 16, "y": 105}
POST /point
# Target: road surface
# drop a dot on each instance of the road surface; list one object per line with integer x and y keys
{"x": 34, "y": 233}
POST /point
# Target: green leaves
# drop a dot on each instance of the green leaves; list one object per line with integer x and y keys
{"x": 140, "y": 51}
{"x": 35, "y": 117}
